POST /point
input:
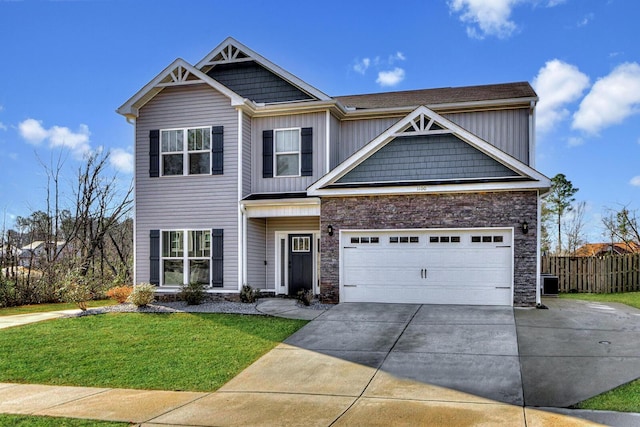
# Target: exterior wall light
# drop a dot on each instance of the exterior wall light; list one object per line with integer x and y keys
{"x": 525, "y": 227}
{"x": 330, "y": 230}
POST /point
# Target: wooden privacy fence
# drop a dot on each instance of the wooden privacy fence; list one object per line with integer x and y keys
{"x": 604, "y": 275}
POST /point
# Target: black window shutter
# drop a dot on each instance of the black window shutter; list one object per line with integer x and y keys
{"x": 267, "y": 154}
{"x": 306, "y": 152}
{"x": 217, "y": 257}
{"x": 154, "y": 153}
{"x": 217, "y": 149}
{"x": 154, "y": 257}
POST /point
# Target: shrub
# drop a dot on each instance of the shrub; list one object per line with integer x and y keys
{"x": 193, "y": 293}
{"x": 248, "y": 294}
{"x": 76, "y": 290}
{"x": 120, "y": 293}
{"x": 142, "y": 294}
{"x": 305, "y": 296}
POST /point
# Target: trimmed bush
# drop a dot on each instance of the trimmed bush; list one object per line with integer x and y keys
{"x": 248, "y": 294}
{"x": 305, "y": 296}
{"x": 142, "y": 294}
{"x": 120, "y": 293}
{"x": 78, "y": 292}
{"x": 193, "y": 293}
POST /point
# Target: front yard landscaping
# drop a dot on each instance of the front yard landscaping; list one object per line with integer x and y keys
{"x": 629, "y": 298}
{"x": 194, "y": 352}
{"x": 41, "y": 308}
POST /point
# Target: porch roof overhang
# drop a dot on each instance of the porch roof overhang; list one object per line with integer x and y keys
{"x": 286, "y": 207}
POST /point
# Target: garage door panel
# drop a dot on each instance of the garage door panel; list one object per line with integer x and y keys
{"x": 430, "y": 270}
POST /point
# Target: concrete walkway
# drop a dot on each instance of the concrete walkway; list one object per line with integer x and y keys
{"x": 294, "y": 385}
{"x": 23, "y": 319}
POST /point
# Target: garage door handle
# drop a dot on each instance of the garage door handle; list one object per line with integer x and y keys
{"x": 350, "y": 286}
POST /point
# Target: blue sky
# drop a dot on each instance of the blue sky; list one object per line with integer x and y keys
{"x": 67, "y": 65}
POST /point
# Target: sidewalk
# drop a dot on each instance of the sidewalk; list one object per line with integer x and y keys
{"x": 23, "y": 319}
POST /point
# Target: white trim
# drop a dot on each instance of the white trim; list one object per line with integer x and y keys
{"x": 285, "y": 153}
{"x": 151, "y": 89}
{"x": 327, "y": 149}
{"x": 429, "y": 189}
{"x": 185, "y": 151}
{"x": 185, "y": 256}
{"x": 242, "y": 221}
{"x": 538, "y": 249}
{"x": 284, "y": 234}
{"x": 231, "y": 42}
{"x": 318, "y": 188}
{"x": 282, "y": 208}
{"x": 135, "y": 208}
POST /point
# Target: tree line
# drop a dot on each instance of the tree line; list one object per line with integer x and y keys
{"x": 83, "y": 236}
{"x": 563, "y": 228}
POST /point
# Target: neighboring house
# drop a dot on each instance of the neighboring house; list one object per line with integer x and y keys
{"x": 33, "y": 254}
{"x": 601, "y": 249}
{"x": 245, "y": 174}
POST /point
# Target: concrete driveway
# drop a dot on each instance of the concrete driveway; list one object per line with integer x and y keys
{"x": 469, "y": 349}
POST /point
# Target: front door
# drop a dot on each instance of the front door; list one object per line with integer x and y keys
{"x": 300, "y": 263}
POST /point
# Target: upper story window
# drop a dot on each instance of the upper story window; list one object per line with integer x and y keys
{"x": 192, "y": 158}
{"x": 287, "y": 152}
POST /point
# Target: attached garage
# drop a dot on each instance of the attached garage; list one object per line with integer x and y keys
{"x": 427, "y": 266}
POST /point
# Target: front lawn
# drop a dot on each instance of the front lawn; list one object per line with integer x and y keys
{"x": 630, "y": 298}
{"x": 625, "y": 398}
{"x": 41, "y": 308}
{"x": 31, "y": 421}
{"x": 195, "y": 352}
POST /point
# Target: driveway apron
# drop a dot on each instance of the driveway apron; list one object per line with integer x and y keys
{"x": 469, "y": 349}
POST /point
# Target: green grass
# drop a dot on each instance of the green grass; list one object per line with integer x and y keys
{"x": 31, "y": 421}
{"x": 630, "y": 298}
{"x": 625, "y": 398}
{"x": 195, "y": 352}
{"x": 41, "y": 308}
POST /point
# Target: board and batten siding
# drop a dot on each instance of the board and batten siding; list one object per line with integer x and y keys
{"x": 317, "y": 121}
{"x": 355, "y": 134}
{"x": 307, "y": 223}
{"x": 506, "y": 129}
{"x": 187, "y": 202}
{"x": 257, "y": 253}
{"x": 334, "y": 141}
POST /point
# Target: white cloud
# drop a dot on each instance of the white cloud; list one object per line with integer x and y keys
{"x": 611, "y": 100}
{"x": 485, "y": 17}
{"x": 398, "y": 56}
{"x": 586, "y": 20}
{"x": 557, "y": 84}
{"x": 635, "y": 181}
{"x": 390, "y": 78}
{"x": 58, "y": 136}
{"x": 3, "y": 126}
{"x": 121, "y": 160}
{"x": 361, "y": 65}
{"x": 32, "y": 131}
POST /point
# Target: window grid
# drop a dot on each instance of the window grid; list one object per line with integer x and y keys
{"x": 192, "y": 158}
{"x": 180, "y": 266}
{"x": 287, "y": 152}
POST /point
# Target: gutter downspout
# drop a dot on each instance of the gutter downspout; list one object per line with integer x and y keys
{"x": 243, "y": 240}
{"x": 538, "y": 235}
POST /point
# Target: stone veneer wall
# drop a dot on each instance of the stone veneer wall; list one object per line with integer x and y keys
{"x": 498, "y": 209}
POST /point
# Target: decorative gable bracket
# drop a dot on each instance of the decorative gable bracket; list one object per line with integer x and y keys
{"x": 423, "y": 125}
{"x": 227, "y": 54}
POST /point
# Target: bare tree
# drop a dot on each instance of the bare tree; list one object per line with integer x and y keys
{"x": 622, "y": 226}
{"x": 574, "y": 228}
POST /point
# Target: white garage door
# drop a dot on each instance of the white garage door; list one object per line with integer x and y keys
{"x": 427, "y": 266}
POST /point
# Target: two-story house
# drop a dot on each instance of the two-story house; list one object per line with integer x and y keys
{"x": 245, "y": 174}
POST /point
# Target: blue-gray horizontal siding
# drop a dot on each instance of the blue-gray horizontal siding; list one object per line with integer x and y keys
{"x": 317, "y": 121}
{"x": 508, "y": 130}
{"x": 424, "y": 158}
{"x": 187, "y": 202}
{"x": 252, "y": 81}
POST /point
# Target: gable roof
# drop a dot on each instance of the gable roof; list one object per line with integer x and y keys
{"x": 231, "y": 50}
{"x": 178, "y": 73}
{"x": 424, "y": 121}
{"x": 448, "y": 95}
